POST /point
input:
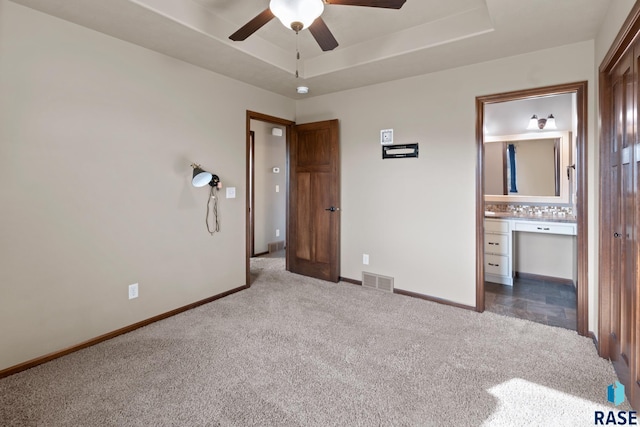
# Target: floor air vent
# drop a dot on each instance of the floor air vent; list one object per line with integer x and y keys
{"x": 275, "y": 246}
{"x": 376, "y": 281}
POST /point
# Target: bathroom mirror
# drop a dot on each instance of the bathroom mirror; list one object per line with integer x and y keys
{"x": 527, "y": 168}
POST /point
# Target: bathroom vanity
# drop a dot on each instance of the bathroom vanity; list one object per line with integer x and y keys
{"x": 499, "y": 237}
{"x": 522, "y": 172}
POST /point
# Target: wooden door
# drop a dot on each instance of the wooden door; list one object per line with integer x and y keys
{"x": 621, "y": 193}
{"x": 623, "y": 134}
{"x": 631, "y": 205}
{"x": 313, "y": 238}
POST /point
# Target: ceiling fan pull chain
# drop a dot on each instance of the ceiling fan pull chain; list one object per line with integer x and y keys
{"x": 297, "y": 55}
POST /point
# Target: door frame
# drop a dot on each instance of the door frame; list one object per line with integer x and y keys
{"x": 625, "y": 37}
{"x": 251, "y": 152}
{"x": 250, "y": 197}
{"x": 580, "y": 89}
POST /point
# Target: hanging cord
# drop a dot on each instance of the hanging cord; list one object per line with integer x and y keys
{"x": 297, "y": 55}
{"x": 213, "y": 195}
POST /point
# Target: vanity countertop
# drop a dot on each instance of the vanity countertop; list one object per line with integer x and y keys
{"x": 546, "y": 217}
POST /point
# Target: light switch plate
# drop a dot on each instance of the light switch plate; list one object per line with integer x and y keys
{"x": 133, "y": 291}
{"x": 231, "y": 192}
{"x": 386, "y": 136}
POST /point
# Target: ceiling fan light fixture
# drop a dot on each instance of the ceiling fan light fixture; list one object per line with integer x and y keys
{"x": 297, "y": 14}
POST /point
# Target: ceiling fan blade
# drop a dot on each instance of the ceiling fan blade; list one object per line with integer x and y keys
{"x": 252, "y": 26}
{"x": 387, "y": 4}
{"x": 322, "y": 34}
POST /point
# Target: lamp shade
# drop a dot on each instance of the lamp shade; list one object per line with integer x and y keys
{"x": 551, "y": 122}
{"x": 533, "y": 123}
{"x": 201, "y": 177}
{"x": 302, "y": 11}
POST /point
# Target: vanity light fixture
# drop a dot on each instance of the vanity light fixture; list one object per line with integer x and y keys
{"x": 536, "y": 123}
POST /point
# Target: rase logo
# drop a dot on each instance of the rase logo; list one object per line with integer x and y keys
{"x": 615, "y": 395}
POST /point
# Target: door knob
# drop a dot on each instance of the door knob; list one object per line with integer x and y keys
{"x": 616, "y": 235}
{"x": 332, "y": 209}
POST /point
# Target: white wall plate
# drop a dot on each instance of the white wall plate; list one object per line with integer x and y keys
{"x": 386, "y": 136}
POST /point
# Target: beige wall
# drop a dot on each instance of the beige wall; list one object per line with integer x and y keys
{"x": 535, "y": 167}
{"x": 613, "y": 21}
{"x": 494, "y": 173}
{"x": 415, "y": 217}
{"x": 270, "y": 207}
{"x": 96, "y": 138}
{"x": 551, "y": 255}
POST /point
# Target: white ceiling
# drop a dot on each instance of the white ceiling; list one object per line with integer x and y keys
{"x": 512, "y": 117}
{"x": 376, "y": 45}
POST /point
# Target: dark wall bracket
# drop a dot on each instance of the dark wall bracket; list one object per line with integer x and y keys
{"x": 399, "y": 151}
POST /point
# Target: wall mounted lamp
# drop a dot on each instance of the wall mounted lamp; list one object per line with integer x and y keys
{"x": 202, "y": 177}
{"x": 542, "y": 123}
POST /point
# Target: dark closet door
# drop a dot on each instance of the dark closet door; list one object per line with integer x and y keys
{"x": 623, "y": 98}
{"x": 623, "y": 197}
{"x": 313, "y": 246}
{"x": 631, "y": 195}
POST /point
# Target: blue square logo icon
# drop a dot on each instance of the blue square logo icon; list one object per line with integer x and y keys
{"x": 615, "y": 393}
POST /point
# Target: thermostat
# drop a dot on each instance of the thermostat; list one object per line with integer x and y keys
{"x": 386, "y": 136}
{"x": 276, "y": 170}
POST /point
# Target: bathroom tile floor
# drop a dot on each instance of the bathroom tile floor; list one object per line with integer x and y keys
{"x": 540, "y": 301}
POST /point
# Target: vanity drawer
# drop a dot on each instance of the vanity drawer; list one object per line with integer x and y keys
{"x": 496, "y": 225}
{"x": 496, "y": 243}
{"x": 496, "y": 264}
{"x": 545, "y": 227}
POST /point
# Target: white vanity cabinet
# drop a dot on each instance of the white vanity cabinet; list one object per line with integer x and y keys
{"x": 568, "y": 229}
{"x": 497, "y": 251}
{"x": 499, "y": 244}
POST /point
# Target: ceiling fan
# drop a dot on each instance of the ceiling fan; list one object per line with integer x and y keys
{"x": 301, "y": 14}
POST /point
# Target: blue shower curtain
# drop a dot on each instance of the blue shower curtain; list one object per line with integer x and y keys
{"x": 511, "y": 151}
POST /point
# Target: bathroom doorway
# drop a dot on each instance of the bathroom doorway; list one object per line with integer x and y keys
{"x": 531, "y": 240}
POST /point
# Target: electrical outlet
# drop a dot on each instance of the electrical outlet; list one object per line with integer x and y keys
{"x": 277, "y": 232}
{"x": 365, "y": 259}
{"x": 231, "y": 192}
{"x": 133, "y": 291}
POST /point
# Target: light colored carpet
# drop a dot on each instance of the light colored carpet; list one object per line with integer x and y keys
{"x": 294, "y": 351}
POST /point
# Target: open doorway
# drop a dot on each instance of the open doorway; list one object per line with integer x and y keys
{"x": 514, "y": 228}
{"x": 267, "y": 187}
{"x": 312, "y": 194}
